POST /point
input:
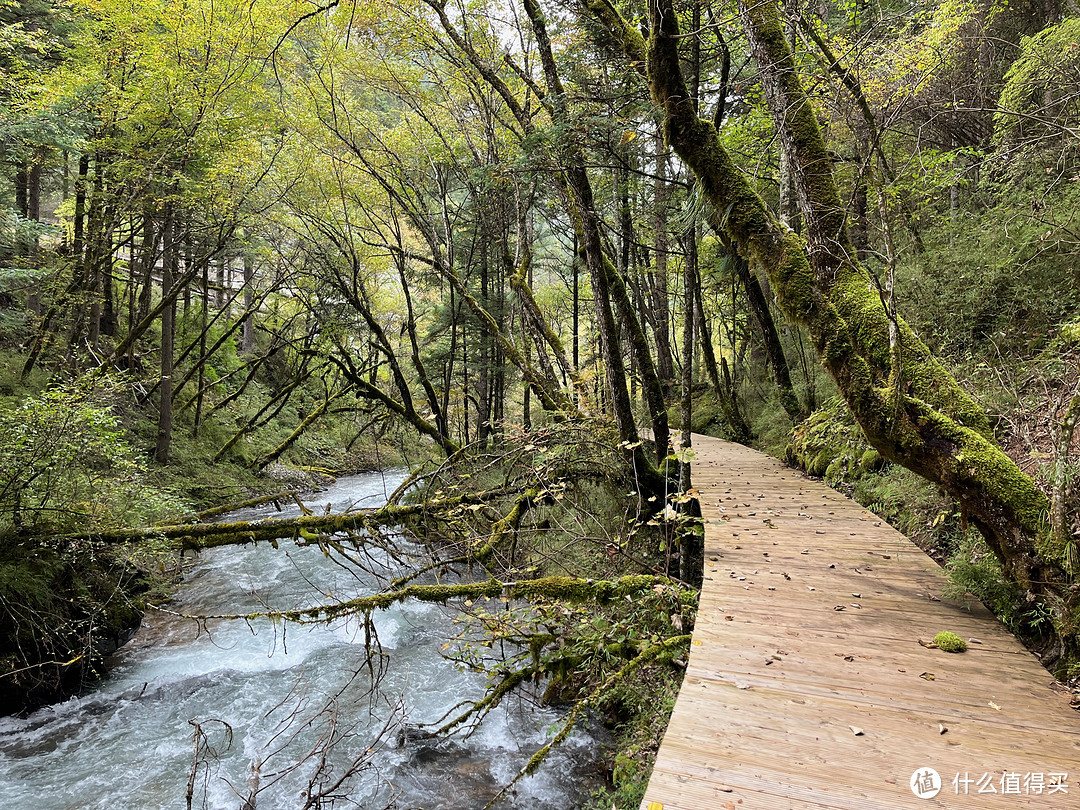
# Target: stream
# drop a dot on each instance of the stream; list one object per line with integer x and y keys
{"x": 297, "y": 700}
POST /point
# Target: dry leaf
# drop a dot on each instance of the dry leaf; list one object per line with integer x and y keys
{"x": 994, "y": 706}
{"x": 941, "y": 729}
{"x": 858, "y": 732}
{"x": 927, "y": 676}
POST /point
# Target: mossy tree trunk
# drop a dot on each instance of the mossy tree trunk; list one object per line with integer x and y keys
{"x": 910, "y": 408}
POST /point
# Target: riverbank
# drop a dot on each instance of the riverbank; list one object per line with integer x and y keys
{"x": 129, "y": 740}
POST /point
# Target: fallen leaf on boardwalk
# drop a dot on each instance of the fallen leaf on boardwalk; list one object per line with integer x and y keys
{"x": 928, "y": 644}
{"x": 839, "y": 607}
{"x": 655, "y": 806}
{"x": 858, "y": 732}
{"x": 810, "y": 588}
{"x": 994, "y": 706}
{"x": 729, "y": 618}
{"x": 941, "y": 729}
{"x": 927, "y": 676}
{"x": 697, "y": 643}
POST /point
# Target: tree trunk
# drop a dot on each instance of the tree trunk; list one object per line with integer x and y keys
{"x": 169, "y": 271}
{"x": 724, "y": 391}
{"x": 247, "y": 335}
{"x": 33, "y": 212}
{"x": 921, "y": 420}
{"x": 774, "y": 349}
{"x": 658, "y": 281}
{"x": 691, "y": 540}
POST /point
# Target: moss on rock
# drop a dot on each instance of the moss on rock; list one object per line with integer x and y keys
{"x": 829, "y": 443}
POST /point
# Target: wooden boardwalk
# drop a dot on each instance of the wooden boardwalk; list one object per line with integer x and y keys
{"x": 807, "y": 686}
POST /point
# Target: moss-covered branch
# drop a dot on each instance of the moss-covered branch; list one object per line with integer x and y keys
{"x": 563, "y": 588}
{"x": 311, "y": 418}
{"x": 207, "y": 514}
{"x": 659, "y": 652}
{"x": 932, "y": 427}
{"x": 482, "y": 550}
{"x": 209, "y": 535}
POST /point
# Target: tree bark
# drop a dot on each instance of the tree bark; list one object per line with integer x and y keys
{"x": 658, "y": 279}
{"x": 169, "y": 268}
{"x": 923, "y": 421}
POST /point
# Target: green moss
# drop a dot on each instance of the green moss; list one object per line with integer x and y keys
{"x": 829, "y": 443}
{"x": 950, "y": 642}
{"x": 871, "y": 460}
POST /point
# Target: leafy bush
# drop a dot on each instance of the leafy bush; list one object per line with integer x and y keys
{"x": 65, "y": 465}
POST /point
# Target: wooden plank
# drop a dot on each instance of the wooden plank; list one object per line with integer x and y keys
{"x": 779, "y": 679}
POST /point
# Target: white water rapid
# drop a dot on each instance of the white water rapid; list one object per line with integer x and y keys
{"x": 128, "y": 744}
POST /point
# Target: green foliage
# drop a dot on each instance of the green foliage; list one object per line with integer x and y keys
{"x": 575, "y": 649}
{"x": 950, "y": 642}
{"x": 995, "y": 280}
{"x": 1038, "y": 100}
{"x": 974, "y": 569}
{"x": 829, "y": 443}
{"x": 66, "y": 465}
{"x": 61, "y": 611}
{"x": 644, "y": 706}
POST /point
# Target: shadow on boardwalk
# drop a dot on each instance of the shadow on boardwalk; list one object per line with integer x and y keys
{"x": 807, "y": 686}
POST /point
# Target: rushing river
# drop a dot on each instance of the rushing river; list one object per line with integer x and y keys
{"x": 280, "y": 696}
